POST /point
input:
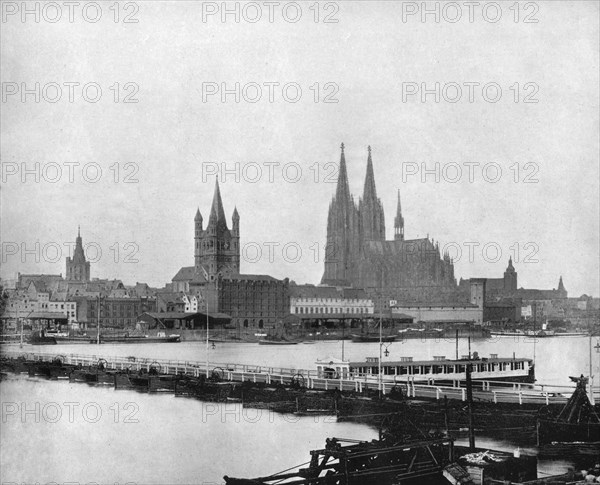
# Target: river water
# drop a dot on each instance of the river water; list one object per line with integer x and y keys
{"x": 556, "y": 358}
{"x": 62, "y": 432}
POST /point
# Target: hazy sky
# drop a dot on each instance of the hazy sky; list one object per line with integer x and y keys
{"x": 544, "y": 207}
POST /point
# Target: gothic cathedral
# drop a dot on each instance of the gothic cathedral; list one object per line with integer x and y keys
{"x": 357, "y": 253}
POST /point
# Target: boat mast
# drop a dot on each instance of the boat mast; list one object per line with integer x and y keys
{"x": 207, "y": 333}
{"x": 456, "y": 346}
{"x": 469, "y": 383}
{"x": 207, "y": 327}
{"x": 98, "y": 325}
{"x": 18, "y": 303}
{"x": 534, "y": 327}
{"x": 597, "y": 347}
{"x": 343, "y": 329}
{"x": 380, "y": 345}
{"x": 591, "y": 376}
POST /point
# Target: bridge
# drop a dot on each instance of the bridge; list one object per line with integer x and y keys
{"x": 484, "y": 391}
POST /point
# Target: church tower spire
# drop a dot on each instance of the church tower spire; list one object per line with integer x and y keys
{"x": 342, "y": 191}
{"x": 342, "y": 231}
{"x": 77, "y": 268}
{"x": 198, "y": 231}
{"x": 217, "y": 213}
{"x": 369, "y": 191}
{"x": 510, "y": 277}
{"x": 370, "y": 208}
{"x": 217, "y": 249}
{"x": 399, "y": 222}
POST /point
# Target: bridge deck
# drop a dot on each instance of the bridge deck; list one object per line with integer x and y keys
{"x": 486, "y": 391}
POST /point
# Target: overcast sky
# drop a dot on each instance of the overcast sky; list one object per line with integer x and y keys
{"x": 543, "y": 207}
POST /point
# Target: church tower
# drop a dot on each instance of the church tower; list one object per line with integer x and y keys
{"x": 197, "y": 237}
{"x": 510, "y": 278}
{"x": 235, "y": 239}
{"x": 562, "y": 291}
{"x": 399, "y": 222}
{"x": 78, "y": 269}
{"x": 372, "y": 219}
{"x": 342, "y": 232}
{"x": 217, "y": 249}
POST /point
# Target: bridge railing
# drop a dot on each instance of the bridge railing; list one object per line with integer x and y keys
{"x": 500, "y": 391}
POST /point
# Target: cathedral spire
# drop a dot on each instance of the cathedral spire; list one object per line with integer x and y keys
{"x": 399, "y": 222}
{"x": 370, "y": 208}
{"x": 342, "y": 231}
{"x": 369, "y": 192}
{"x": 342, "y": 192}
{"x": 217, "y": 213}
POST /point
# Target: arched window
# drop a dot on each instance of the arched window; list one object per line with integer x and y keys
{"x": 260, "y": 324}
{"x": 246, "y": 323}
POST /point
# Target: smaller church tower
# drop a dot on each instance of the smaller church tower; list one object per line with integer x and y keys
{"x": 399, "y": 222}
{"x": 197, "y": 237}
{"x": 561, "y": 289}
{"x": 78, "y": 269}
{"x": 235, "y": 239}
{"x": 510, "y": 278}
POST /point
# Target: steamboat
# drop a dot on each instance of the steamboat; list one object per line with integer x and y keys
{"x": 440, "y": 369}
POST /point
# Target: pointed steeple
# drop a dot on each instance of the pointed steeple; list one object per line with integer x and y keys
{"x": 217, "y": 213}
{"x": 78, "y": 269}
{"x": 198, "y": 217}
{"x": 342, "y": 230}
{"x": 561, "y": 286}
{"x": 236, "y": 216}
{"x": 370, "y": 208}
{"x": 369, "y": 192}
{"x": 510, "y": 277}
{"x": 510, "y": 267}
{"x": 399, "y": 222}
{"x": 78, "y": 253}
{"x": 342, "y": 192}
